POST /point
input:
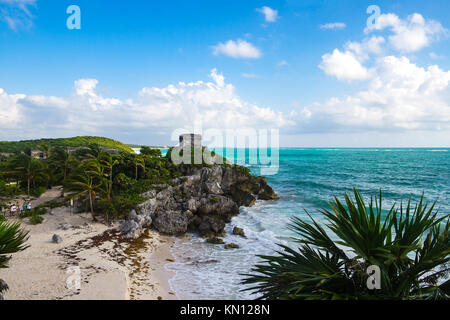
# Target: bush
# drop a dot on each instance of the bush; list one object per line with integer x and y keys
{"x": 2, "y": 217}
{"x": 122, "y": 181}
{"x": 51, "y": 204}
{"x": 35, "y": 211}
{"x": 243, "y": 169}
{"x": 151, "y": 152}
{"x": 410, "y": 246}
{"x": 124, "y": 204}
{"x": 39, "y": 211}
{"x": 106, "y": 207}
{"x": 8, "y": 190}
{"x": 213, "y": 200}
{"x": 37, "y": 192}
{"x": 36, "y": 219}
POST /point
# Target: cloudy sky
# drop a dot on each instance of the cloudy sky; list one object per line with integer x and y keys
{"x": 325, "y": 73}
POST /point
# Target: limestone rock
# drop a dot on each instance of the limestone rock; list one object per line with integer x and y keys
{"x": 215, "y": 240}
{"x": 134, "y": 226}
{"x": 203, "y": 201}
{"x": 57, "y": 239}
{"x": 231, "y": 246}
{"x": 239, "y": 232}
{"x": 172, "y": 222}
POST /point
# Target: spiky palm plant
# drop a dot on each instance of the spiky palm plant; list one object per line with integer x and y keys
{"x": 410, "y": 246}
{"x": 12, "y": 240}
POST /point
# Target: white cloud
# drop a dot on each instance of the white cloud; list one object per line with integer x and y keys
{"x": 409, "y": 35}
{"x": 237, "y": 49}
{"x": 343, "y": 65}
{"x": 334, "y": 25}
{"x": 362, "y": 50}
{"x": 155, "y": 110}
{"x": 282, "y": 63}
{"x": 270, "y": 15}
{"x": 16, "y": 13}
{"x": 400, "y": 96}
{"x": 9, "y": 110}
{"x": 435, "y": 56}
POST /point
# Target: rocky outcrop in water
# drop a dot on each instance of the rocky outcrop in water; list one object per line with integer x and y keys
{"x": 203, "y": 201}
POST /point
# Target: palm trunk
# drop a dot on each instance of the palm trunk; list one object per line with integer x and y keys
{"x": 64, "y": 181}
{"x": 92, "y": 206}
{"x": 28, "y": 186}
{"x": 136, "y": 172}
{"x": 111, "y": 183}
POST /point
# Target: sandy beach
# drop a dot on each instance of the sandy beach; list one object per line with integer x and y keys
{"x": 91, "y": 263}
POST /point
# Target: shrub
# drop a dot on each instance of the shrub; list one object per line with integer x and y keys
{"x": 106, "y": 207}
{"x": 122, "y": 181}
{"x": 214, "y": 200}
{"x": 124, "y": 204}
{"x": 2, "y": 217}
{"x": 51, "y": 204}
{"x": 151, "y": 152}
{"x": 37, "y": 192}
{"x": 36, "y": 219}
{"x": 243, "y": 169}
{"x": 35, "y": 211}
{"x": 39, "y": 211}
{"x": 410, "y": 248}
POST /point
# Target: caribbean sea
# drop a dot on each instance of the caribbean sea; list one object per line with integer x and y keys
{"x": 306, "y": 180}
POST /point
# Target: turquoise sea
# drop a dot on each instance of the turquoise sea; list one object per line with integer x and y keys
{"x": 306, "y": 180}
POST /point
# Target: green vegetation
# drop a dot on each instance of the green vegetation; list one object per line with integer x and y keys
{"x": 38, "y": 211}
{"x": 151, "y": 152}
{"x": 36, "y": 219}
{"x": 12, "y": 240}
{"x": 51, "y": 204}
{"x": 99, "y": 181}
{"x": 214, "y": 200}
{"x": 19, "y": 146}
{"x": 411, "y": 248}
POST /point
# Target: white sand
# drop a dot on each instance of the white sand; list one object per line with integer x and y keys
{"x": 109, "y": 267}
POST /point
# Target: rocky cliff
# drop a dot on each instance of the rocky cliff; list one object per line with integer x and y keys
{"x": 203, "y": 201}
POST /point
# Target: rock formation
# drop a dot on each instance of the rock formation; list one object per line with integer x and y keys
{"x": 203, "y": 201}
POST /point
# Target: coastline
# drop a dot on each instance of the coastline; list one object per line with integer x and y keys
{"x": 109, "y": 268}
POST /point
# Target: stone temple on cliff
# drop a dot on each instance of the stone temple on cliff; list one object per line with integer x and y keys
{"x": 192, "y": 140}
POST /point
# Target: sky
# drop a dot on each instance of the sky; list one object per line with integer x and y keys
{"x": 325, "y": 73}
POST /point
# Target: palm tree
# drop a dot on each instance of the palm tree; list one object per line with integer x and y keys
{"x": 12, "y": 240}
{"x": 411, "y": 248}
{"x": 87, "y": 180}
{"x": 62, "y": 159}
{"x": 30, "y": 169}
{"x": 45, "y": 148}
{"x": 108, "y": 163}
{"x": 138, "y": 162}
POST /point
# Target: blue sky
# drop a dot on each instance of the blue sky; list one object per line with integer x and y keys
{"x": 280, "y": 67}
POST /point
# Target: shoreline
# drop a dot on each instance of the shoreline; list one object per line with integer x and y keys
{"x": 93, "y": 255}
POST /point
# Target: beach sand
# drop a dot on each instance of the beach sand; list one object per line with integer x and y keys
{"x": 91, "y": 262}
